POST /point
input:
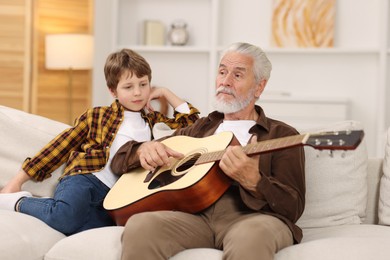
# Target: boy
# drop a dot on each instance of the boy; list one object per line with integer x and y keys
{"x": 89, "y": 145}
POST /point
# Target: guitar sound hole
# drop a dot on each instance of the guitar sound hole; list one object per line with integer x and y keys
{"x": 188, "y": 163}
{"x": 163, "y": 179}
{"x": 168, "y": 177}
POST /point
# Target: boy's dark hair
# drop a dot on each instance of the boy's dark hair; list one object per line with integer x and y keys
{"x": 122, "y": 61}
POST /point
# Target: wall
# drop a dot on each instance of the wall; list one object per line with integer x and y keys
{"x": 354, "y": 70}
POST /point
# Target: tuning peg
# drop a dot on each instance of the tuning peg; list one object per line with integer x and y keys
{"x": 343, "y": 154}
{"x": 331, "y": 153}
{"x": 341, "y": 142}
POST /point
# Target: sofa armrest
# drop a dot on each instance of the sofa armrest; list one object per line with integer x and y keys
{"x": 23, "y": 135}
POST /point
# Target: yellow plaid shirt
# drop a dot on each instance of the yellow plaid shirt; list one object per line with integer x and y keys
{"x": 85, "y": 147}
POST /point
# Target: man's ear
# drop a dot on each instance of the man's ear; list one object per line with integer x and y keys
{"x": 260, "y": 87}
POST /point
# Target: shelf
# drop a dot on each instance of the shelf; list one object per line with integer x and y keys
{"x": 171, "y": 49}
{"x": 336, "y": 50}
{"x": 305, "y": 112}
{"x": 129, "y": 15}
{"x": 286, "y": 97}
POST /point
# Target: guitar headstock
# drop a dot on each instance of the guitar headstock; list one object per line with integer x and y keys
{"x": 337, "y": 140}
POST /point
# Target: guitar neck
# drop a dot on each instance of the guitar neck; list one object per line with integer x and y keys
{"x": 257, "y": 148}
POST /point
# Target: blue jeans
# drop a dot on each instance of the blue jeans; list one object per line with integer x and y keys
{"x": 77, "y": 205}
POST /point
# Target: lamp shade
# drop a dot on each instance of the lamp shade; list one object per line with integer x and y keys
{"x": 69, "y": 51}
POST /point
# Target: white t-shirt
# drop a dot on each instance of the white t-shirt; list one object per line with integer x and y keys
{"x": 240, "y": 129}
{"x": 134, "y": 128}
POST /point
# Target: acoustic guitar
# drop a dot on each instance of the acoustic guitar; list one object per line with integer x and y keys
{"x": 195, "y": 182}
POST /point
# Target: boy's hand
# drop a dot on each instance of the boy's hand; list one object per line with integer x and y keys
{"x": 159, "y": 92}
{"x": 155, "y": 93}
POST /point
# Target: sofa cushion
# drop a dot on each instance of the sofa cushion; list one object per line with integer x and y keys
{"x": 335, "y": 195}
{"x": 358, "y": 242}
{"x": 198, "y": 254}
{"x": 23, "y": 135}
{"x": 105, "y": 243}
{"x": 99, "y": 243}
{"x": 25, "y": 237}
{"x": 384, "y": 192}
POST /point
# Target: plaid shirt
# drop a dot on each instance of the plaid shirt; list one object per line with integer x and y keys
{"x": 85, "y": 147}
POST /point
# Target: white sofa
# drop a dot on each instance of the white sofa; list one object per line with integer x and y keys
{"x": 340, "y": 219}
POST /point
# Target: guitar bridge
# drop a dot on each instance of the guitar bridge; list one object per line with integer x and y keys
{"x": 150, "y": 175}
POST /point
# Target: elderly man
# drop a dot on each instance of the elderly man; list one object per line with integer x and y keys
{"x": 255, "y": 217}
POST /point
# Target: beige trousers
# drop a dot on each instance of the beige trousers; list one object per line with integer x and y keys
{"x": 227, "y": 225}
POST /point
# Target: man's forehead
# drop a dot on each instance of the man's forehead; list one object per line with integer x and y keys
{"x": 236, "y": 60}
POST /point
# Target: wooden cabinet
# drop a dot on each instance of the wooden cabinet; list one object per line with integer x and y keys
{"x": 25, "y": 83}
{"x": 355, "y": 70}
{"x": 15, "y": 53}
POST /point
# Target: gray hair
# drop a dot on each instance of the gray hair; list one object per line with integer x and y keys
{"x": 261, "y": 65}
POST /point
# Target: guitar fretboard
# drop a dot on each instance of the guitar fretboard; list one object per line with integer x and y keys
{"x": 257, "y": 148}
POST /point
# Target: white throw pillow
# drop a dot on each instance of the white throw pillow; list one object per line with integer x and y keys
{"x": 336, "y": 184}
{"x": 22, "y": 136}
{"x": 384, "y": 191}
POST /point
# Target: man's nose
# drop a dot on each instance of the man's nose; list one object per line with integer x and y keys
{"x": 227, "y": 80}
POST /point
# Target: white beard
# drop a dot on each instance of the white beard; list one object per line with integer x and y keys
{"x": 234, "y": 106}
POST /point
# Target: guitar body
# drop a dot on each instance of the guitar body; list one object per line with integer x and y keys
{"x": 183, "y": 186}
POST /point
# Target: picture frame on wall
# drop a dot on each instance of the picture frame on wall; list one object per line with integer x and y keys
{"x": 302, "y": 23}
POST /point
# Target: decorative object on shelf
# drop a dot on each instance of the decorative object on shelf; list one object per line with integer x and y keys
{"x": 154, "y": 33}
{"x": 69, "y": 52}
{"x": 178, "y": 35}
{"x": 303, "y": 23}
